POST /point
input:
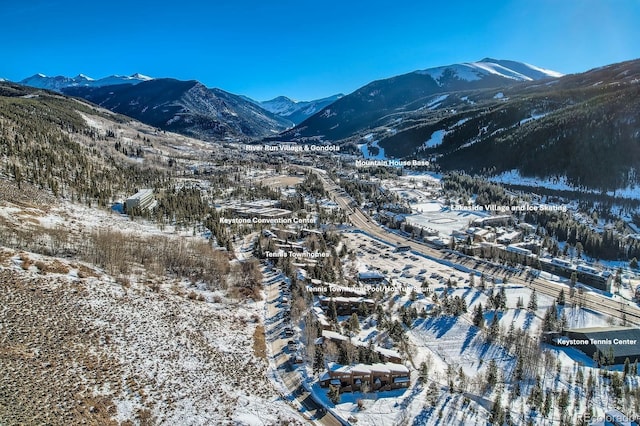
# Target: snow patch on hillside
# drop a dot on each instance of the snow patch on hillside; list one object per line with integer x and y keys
{"x": 560, "y": 183}
{"x": 369, "y": 155}
{"x": 532, "y": 117}
{"x": 435, "y": 139}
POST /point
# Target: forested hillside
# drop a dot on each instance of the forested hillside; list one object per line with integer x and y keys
{"x": 45, "y": 141}
{"x": 582, "y": 127}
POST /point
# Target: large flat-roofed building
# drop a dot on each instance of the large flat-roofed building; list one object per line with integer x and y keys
{"x": 619, "y": 342}
{"x": 493, "y": 220}
{"x": 264, "y": 209}
{"x": 142, "y": 200}
{"x": 585, "y": 274}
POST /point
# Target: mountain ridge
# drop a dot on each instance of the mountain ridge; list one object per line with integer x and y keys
{"x": 518, "y": 71}
{"x": 363, "y": 108}
{"x": 283, "y": 106}
{"x": 186, "y": 107}
{"x": 583, "y": 127}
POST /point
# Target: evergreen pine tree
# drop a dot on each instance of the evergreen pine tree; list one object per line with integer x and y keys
{"x": 432, "y": 394}
{"x": 573, "y": 279}
{"x": 503, "y": 299}
{"x": 333, "y": 313}
{"x": 354, "y": 323}
{"x": 547, "y": 404}
{"x": 494, "y": 328}
{"x": 497, "y": 413}
{"x": 533, "y": 301}
{"x": 424, "y": 371}
{"x": 478, "y": 316}
{"x": 492, "y": 373}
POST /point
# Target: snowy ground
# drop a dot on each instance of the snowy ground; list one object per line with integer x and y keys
{"x": 453, "y": 341}
{"x": 146, "y": 348}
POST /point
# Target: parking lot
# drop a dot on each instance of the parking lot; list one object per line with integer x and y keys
{"x": 402, "y": 268}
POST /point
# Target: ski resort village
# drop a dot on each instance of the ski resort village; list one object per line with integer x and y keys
{"x": 396, "y": 265}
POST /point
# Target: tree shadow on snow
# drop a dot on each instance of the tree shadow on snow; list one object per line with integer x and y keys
{"x": 440, "y": 325}
{"x": 471, "y": 334}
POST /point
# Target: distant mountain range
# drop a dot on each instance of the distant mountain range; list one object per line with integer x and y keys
{"x": 297, "y": 111}
{"x": 579, "y": 128}
{"x": 205, "y": 113}
{"x": 60, "y": 82}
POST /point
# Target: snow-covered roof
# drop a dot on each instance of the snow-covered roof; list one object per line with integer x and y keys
{"x": 386, "y": 368}
{"x": 361, "y": 368}
{"x": 333, "y": 335}
{"x": 387, "y": 352}
{"x": 341, "y": 299}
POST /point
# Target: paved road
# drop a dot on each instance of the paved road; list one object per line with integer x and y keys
{"x": 619, "y": 310}
{"x": 274, "y": 328}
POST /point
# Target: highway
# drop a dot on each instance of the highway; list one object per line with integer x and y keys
{"x": 621, "y": 311}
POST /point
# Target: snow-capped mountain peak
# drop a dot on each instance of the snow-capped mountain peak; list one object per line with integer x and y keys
{"x": 472, "y": 71}
{"x": 280, "y": 105}
{"x": 81, "y": 77}
{"x": 141, "y": 76}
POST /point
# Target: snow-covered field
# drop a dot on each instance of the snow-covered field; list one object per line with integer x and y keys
{"x": 145, "y": 348}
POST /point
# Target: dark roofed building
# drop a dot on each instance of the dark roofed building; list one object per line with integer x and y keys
{"x": 621, "y": 342}
{"x": 370, "y": 277}
{"x": 377, "y": 377}
{"x": 346, "y": 305}
{"x": 586, "y": 275}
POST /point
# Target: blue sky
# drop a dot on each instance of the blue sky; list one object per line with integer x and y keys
{"x": 307, "y": 49}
